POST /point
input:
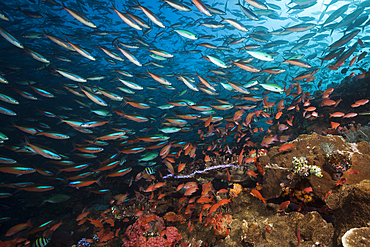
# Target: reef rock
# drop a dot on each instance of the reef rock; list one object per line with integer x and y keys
{"x": 357, "y": 237}
{"x": 351, "y": 207}
{"x": 278, "y": 164}
{"x": 312, "y": 227}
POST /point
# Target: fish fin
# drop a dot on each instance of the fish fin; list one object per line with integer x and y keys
{"x": 42, "y": 203}
{"x": 29, "y": 224}
{"x": 98, "y": 181}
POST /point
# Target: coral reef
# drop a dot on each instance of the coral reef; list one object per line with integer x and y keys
{"x": 83, "y": 243}
{"x": 302, "y": 169}
{"x": 278, "y": 164}
{"x": 345, "y": 202}
{"x": 150, "y": 232}
{"x": 338, "y": 162}
{"x": 221, "y": 224}
{"x": 299, "y": 179}
{"x": 234, "y": 192}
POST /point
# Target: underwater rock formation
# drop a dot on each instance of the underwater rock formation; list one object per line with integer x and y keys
{"x": 356, "y": 237}
{"x": 351, "y": 207}
{"x": 278, "y": 164}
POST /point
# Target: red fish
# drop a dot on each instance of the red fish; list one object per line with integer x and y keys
{"x": 18, "y": 228}
{"x": 284, "y": 205}
{"x": 96, "y": 223}
{"x": 334, "y": 125}
{"x": 286, "y": 147}
{"x": 252, "y": 174}
{"x": 328, "y": 102}
{"x": 341, "y": 181}
{"x": 257, "y": 194}
{"x": 337, "y": 114}
{"x": 83, "y": 215}
{"x": 353, "y": 172}
{"x": 362, "y": 102}
{"x": 350, "y": 115}
{"x": 190, "y": 191}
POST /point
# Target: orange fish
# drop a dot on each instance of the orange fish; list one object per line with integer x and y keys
{"x": 207, "y": 158}
{"x": 284, "y": 205}
{"x": 161, "y": 196}
{"x": 83, "y": 215}
{"x": 334, "y": 125}
{"x": 337, "y": 114}
{"x": 257, "y": 194}
{"x": 278, "y": 115}
{"x": 341, "y": 181}
{"x": 217, "y": 205}
{"x": 159, "y": 185}
{"x": 308, "y": 189}
{"x": 96, "y": 223}
{"x": 190, "y": 191}
{"x": 260, "y": 169}
{"x": 222, "y": 191}
{"x": 18, "y": 228}
{"x": 139, "y": 214}
{"x": 179, "y": 187}
{"x": 252, "y": 174}
{"x": 110, "y": 222}
{"x": 206, "y": 188}
{"x": 150, "y": 188}
{"x": 241, "y": 157}
{"x": 82, "y": 221}
{"x": 328, "y": 102}
{"x": 250, "y": 160}
{"x": 54, "y": 227}
{"x": 228, "y": 175}
{"x": 353, "y": 172}
{"x": 286, "y": 147}
{"x": 362, "y": 102}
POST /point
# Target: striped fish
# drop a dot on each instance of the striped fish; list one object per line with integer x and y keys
{"x": 150, "y": 170}
{"x": 41, "y": 242}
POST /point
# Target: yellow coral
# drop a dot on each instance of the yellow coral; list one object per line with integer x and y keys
{"x": 234, "y": 192}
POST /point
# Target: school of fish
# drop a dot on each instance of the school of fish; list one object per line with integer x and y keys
{"x": 93, "y": 92}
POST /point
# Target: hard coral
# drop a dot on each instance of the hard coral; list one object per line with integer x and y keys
{"x": 221, "y": 224}
{"x": 301, "y": 168}
{"x": 142, "y": 233}
{"x": 172, "y": 235}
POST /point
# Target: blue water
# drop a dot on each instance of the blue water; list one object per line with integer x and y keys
{"x": 22, "y": 71}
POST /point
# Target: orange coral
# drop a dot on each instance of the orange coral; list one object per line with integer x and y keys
{"x": 234, "y": 192}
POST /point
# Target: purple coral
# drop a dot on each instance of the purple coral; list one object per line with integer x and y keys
{"x": 156, "y": 242}
{"x": 135, "y": 234}
{"x": 172, "y": 234}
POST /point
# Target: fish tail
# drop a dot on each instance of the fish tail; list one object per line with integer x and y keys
{"x": 29, "y": 224}
{"x": 59, "y": 171}
{"x": 18, "y": 7}
{"x": 99, "y": 181}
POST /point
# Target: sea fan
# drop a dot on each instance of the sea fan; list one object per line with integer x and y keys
{"x": 364, "y": 133}
{"x": 328, "y": 148}
{"x": 351, "y": 136}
